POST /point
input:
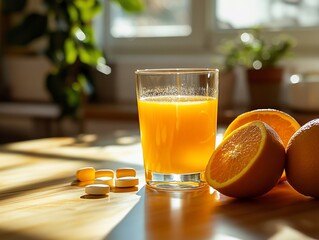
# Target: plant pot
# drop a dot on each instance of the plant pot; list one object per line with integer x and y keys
{"x": 265, "y": 87}
{"x": 303, "y": 95}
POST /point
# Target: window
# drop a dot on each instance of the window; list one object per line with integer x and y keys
{"x": 232, "y": 14}
{"x": 165, "y": 26}
{"x": 163, "y": 18}
{"x": 200, "y": 25}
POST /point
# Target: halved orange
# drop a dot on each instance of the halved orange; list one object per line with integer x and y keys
{"x": 248, "y": 162}
{"x": 284, "y": 124}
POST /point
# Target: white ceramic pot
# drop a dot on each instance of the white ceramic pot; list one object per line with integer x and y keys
{"x": 303, "y": 93}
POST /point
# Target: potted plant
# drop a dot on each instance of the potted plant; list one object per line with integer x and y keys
{"x": 67, "y": 27}
{"x": 261, "y": 62}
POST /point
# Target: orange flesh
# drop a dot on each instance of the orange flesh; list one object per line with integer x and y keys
{"x": 241, "y": 149}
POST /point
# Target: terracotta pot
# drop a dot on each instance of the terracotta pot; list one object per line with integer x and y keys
{"x": 265, "y": 87}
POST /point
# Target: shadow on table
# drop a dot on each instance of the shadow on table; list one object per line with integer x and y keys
{"x": 280, "y": 214}
{"x": 168, "y": 215}
{"x": 117, "y": 149}
{"x": 14, "y": 235}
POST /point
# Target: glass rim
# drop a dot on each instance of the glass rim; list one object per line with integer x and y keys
{"x": 167, "y": 71}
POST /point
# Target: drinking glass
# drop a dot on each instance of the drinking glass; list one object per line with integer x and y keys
{"x": 178, "y": 119}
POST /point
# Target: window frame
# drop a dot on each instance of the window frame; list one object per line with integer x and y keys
{"x": 204, "y": 39}
{"x": 194, "y": 41}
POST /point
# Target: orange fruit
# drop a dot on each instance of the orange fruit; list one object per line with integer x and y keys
{"x": 248, "y": 162}
{"x": 302, "y": 165}
{"x": 284, "y": 124}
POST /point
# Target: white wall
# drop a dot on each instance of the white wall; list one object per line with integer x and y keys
{"x": 128, "y": 64}
{"x": 26, "y": 75}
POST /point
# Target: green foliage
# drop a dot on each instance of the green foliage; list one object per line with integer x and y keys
{"x": 71, "y": 47}
{"x": 252, "y": 51}
{"x": 131, "y": 6}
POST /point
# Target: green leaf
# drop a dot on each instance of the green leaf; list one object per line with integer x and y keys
{"x": 85, "y": 84}
{"x": 87, "y": 9}
{"x": 70, "y": 51}
{"x": 73, "y": 96}
{"x": 85, "y": 56}
{"x": 81, "y": 35}
{"x": 73, "y": 13}
{"x": 67, "y": 98}
{"x": 89, "y": 55}
{"x": 85, "y": 3}
{"x": 131, "y": 5}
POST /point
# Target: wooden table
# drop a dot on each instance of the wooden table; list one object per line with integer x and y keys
{"x": 39, "y": 201}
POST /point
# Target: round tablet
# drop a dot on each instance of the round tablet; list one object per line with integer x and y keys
{"x": 126, "y": 182}
{"x": 104, "y": 173}
{"x": 85, "y": 174}
{"x": 97, "y": 189}
{"x": 105, "y": 180}
{"x": 125, "y": 172}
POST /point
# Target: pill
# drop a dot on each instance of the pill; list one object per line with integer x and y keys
{"x": 97, "y": 189}
{"x": 104, "y": 173}
{"x": 126, "y": 182}
{"x": 125, "y": 172}
{"x": 105, "y": 180}
{"x": 85, "y": 174}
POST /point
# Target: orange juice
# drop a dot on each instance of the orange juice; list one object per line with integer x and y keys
{"x": 178, "y": 133}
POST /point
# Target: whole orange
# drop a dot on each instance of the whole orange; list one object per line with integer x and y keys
{"x": 302, "y": 165}
{"x": 248, "y": 162}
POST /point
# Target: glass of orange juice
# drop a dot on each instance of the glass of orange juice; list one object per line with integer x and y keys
{"x": 178, "y": 119}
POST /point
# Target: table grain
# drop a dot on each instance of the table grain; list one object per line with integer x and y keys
{"x": 40, "y": 200}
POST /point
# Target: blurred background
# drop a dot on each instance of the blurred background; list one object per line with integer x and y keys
{"x": 67, "y": 67}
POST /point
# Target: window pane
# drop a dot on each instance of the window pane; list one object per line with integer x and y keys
{"x": 161, "y": 18}
{"x": 234, "y": 14}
